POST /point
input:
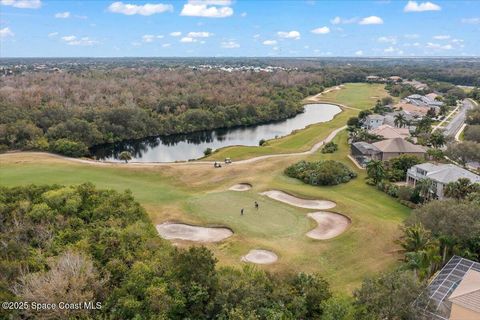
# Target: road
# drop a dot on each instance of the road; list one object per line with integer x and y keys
{"x": 457, "y": 122}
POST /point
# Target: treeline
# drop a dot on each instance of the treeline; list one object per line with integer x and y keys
{"x": 78, "y": 243}
{"x": 69, "y": 112}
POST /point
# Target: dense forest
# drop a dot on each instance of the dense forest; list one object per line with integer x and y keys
{"x": 80, "y": 244}
{"x": 68, "y": 112}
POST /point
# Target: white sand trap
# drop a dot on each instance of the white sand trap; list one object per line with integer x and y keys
{"x": 182, "y": 231}
{"x": 329, "y": 226}
{"x": 259, "y": 256}
{"x": 241, "y": 187}
{"x": 299, "y": 202}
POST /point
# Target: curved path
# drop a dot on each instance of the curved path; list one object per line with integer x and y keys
{"x": 314, "y": 149}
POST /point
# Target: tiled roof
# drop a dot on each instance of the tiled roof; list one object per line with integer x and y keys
{"x": 446, "y": 173}
{"x": 398, "y": 145}
{"x": 467, "y": 294}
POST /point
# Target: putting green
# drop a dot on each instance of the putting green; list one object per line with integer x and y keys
{"x": 272, "y": 219}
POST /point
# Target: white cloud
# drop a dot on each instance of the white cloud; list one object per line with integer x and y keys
{"x": 230, "y": 44}
{"x": 471, "y": 20}
{"x": 457, "y": 40}
{"x": 212, "y": 2}
{"x": 321, "y": 30}
{"x": 411, "y": 36}
{"x": 145, "y": 10}
{"x": 202, "y": 9}
{"x": 441, "y": 37}
{"x": 74, "y": 41}
{"x": 270, "y": 42}
{"x": 243, "y": 14}
{"x": 437, "y": 46}
{"x": 393, "y": 50}
{"x": 53, "y": 34}
{"x": 166, "y": 45}
{"x": 256, "y": 36}
{"x": 160, "y": 36}
{"x": 6, "y": 32}
{"x": 68, "y": 38}
{"x": 201, "y": 34}
{"x": 371, "y": 20}
{"x": 22, "y": 4}
{"x": 387, "y": 39}
{"x": 188, "y": 40}
{"x": 176, "y": 34}
{"x": 148, "y": 38}
{"x": 359, "y": 52}
{"x": 413, "y": 6}
{"x": 338, "y": 20}
{"x": 289, "y": 34}
{"x": 62, "y": 15}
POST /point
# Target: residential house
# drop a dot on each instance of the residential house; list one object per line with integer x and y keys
{"x": 389, "y": 132}
{"x": 392, "y": 148}
{"x": 376, "y": 79}
{"x": 427, "y": 101}
{"x": 364, "y": 152}
{"x": 416, "y": 84}
{"x": 440, "y": 174}
{"x": 454, "y": 293}
{"x": 373, "y": 121}
{"x": 394, "y": 79}
{"x": 384, "y": 150}
{"x": 412, "y": 110}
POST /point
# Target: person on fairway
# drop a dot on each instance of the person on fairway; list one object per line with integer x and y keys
{"x": 241, "y": 211}
{"x": 256, "y": 205}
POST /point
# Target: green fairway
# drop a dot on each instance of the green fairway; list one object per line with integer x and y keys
{"x": 356, "y": 95}
{"x": 197, "y": 194}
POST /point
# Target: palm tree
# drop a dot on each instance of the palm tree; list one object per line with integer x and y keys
{"x": 400, "y": 120}
{"x": 461, "y": 188}
{"x": 415, "y": 238}
{"x": 376, "y": 170}
{"x": 125, "y": 155}
{"x": 425, "y": 188}
{"x": 437, "y": 139}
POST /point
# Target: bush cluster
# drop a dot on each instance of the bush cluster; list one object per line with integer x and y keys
{"x": 325, "y": 173}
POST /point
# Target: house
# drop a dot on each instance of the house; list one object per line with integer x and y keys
{"x": 374, "y": 79}
{"x": 416, "y": 84}
{"x": 373, "y": 121}
{"x": 393, "y": 148}
{"x": 440, "y": 174}
{"x": 413, "y": 110}
{"x": 364, "y": 152}
{"x": 454, "y": 293}
{"x": 427, "y": 101}
{"x": 389, "y": 132}
{"x": 394, "y": 79}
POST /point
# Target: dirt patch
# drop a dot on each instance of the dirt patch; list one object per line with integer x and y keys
{"x": 329, "y": 226}
{"x": 299, "y": 202}
{"x": 259, "y": 256}
{"x": 180, "y": 231}
{"x": 241, "y": 187}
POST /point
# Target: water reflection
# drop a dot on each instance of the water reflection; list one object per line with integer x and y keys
{"x": 191, "y": 146}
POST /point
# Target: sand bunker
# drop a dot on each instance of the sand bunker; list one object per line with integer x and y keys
{"x": 241, "y": 187}
{"x": 329, "y": 226}
{"x": 259, "y": 256}
{"x": 299, "y": 202}
{"x": 182, "y": 231}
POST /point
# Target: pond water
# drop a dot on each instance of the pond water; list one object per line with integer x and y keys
{"x": 191, "y": 146}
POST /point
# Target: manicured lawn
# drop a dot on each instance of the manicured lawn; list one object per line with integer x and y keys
{"x": 197, "y": 193}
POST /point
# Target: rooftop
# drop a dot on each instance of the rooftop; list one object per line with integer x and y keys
{"x": 446, "y": 173}
{"x": 398, "y": 145}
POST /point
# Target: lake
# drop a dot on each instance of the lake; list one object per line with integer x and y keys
{"x": 191, "y": 146}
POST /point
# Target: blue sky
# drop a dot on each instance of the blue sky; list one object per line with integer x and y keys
{"x": 42, "y": 28}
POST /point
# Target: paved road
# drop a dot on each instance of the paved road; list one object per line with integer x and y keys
{"x": 457, "y": 122}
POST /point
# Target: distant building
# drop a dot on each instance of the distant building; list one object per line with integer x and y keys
{"x": 373, "y": 121}
{"x": 413, "y": 110}
{"x": 440, "y": 174}
{"x": 454, "y": 293}
{"x": 388, "y": 132}
{"x": 394, "y": 79}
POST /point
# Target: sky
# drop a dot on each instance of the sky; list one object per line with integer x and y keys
{"x": 239, "y": 28}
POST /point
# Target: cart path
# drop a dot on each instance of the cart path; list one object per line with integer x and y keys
{"x": 314, "y": 149}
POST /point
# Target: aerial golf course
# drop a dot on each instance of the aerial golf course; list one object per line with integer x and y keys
{"x": 199, "y": 195}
